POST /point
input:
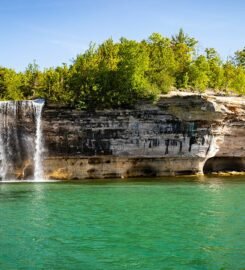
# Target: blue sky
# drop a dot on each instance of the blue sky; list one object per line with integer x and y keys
{"x": 55, "y": 31}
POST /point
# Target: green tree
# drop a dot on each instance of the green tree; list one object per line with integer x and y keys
{"x": 240, "y": 58}
{"x": 215, "y": 73}
{"x": 182, "y": 38}
{"x": 108, "y": 54}
{"x": 3, "y": 88}
{"x": 238, "y": 84}
{"x": 56, "y": 85}
{"x": 11, "y": 84}
{"x": 162, "y": 66}
{"x": 198, "y": 73}
{"x": 31, "y": 84}
{"x": 229, "y": 75}
{"x": 130, "y": 78}
{"x": 184, "y": 48}
{"x": 84, "y": 79}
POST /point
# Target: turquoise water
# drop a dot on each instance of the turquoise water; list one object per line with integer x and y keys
{"x": 123, "y": 225}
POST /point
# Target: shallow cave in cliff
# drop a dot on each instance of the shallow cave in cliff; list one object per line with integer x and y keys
{"x": 224, "y": 164}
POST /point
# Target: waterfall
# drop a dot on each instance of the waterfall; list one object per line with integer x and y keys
{"x": 3, "y": 165}
{"x": 7, "y": 111}
{"x": 21, "y": 144}
{"x": 38, "y": 169}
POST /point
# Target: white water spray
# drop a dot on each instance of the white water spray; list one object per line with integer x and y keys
{"x": 3, "y": 165}
{"x": 38, "y": 168}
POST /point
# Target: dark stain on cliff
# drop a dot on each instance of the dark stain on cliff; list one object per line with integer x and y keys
{"x": 192, "y": 141}
{"x": 79, "y": 133}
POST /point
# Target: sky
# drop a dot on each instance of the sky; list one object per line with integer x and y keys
{"x": 53, "y": 32}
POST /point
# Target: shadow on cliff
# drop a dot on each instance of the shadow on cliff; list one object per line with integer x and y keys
{"x": 142, "y": 170}
{"x": 224, "y": 164}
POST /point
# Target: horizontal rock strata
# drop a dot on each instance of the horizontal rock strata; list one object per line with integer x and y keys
{"x": 176, "y": 136}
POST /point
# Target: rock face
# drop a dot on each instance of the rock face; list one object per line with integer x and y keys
{"x": 181, "y": 134}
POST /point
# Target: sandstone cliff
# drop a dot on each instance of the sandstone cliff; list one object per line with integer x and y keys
{"x": 181, "y": 134}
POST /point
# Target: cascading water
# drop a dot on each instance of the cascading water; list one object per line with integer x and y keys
{"x": 38, "y": 169}
{"x": 3, "y": 165}
{"x": 21, "y": 140}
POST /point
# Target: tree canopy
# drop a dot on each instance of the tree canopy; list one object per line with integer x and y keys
{"x": 119, "y": 74}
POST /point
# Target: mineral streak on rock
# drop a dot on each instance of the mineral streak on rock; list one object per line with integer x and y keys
{"x": 176, "y": 136}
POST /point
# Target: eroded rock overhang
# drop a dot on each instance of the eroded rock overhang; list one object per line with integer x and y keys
{"x": 178, "y": 135}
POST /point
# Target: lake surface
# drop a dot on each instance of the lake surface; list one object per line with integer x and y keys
{"x": 161, "y": 224}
